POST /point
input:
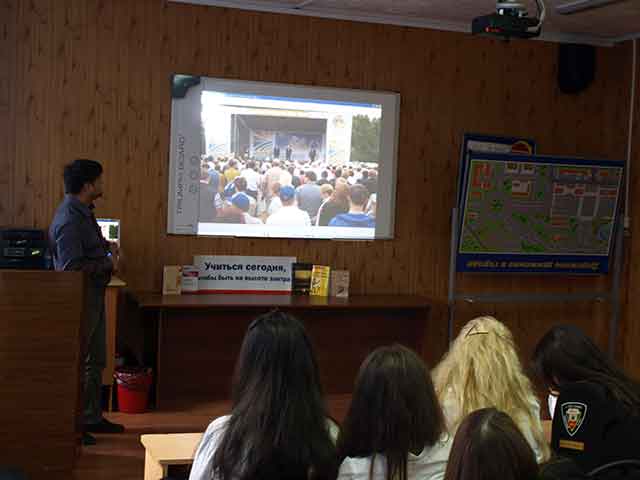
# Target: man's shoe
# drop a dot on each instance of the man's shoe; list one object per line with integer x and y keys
{"x": 88, "y": 440}
{"x": 104, "y": 426}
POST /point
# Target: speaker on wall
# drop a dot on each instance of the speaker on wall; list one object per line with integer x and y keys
{"x": 576, "y": 67}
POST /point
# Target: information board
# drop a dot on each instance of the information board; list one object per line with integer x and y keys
{"x": 527, "y": 213}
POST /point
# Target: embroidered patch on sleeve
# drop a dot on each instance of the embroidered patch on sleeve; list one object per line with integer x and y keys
{"x": 573, "y": 416}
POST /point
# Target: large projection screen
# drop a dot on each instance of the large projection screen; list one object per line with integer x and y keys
{"x": 224, "y": 129}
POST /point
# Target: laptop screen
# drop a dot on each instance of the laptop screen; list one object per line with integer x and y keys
{"x": 110, "y": 229}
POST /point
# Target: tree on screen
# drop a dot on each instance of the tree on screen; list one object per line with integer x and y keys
{"x": 365, "y": 139}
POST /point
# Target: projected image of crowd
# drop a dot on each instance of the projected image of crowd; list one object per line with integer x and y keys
{"x": 240, "y": 189}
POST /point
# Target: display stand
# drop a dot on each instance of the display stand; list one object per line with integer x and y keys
{"x": 612, "y": 295}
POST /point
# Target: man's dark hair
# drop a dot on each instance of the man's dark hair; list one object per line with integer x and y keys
{"x": 311, "y": 175}
{"x": 241, "y": 184}
{"x": 80, "y": 172}
{"x": 358, "y": 194}
{"x": 324, "y": 174}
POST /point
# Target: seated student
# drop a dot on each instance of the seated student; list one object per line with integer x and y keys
{"x": 490, "y": 446}
{"x": 596, "y": 416}
{"x": 355, "y": 217}
{"x": 278, "y": 427}
{"x": 482, "y": 369}
{"x": 394, "y": 428}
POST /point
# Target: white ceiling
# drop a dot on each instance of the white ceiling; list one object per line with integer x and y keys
{"x": 602, "y": 26}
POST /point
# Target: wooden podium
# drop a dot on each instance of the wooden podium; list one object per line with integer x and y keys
{"x": 41, "y": 315}
{"x": 198, "y": 337}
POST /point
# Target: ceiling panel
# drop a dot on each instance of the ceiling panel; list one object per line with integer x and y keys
{"x": 611, "y": 23}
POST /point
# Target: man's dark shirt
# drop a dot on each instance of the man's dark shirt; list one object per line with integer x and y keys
{"x": 77, "y": 242}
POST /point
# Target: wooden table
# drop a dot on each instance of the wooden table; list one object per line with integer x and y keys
{"x": 164, "y": 450}
{"x": 197, "y": 338}
{"x": 111, "y": 319}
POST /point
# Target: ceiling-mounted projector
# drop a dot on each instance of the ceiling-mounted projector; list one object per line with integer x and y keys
{"x": 510, "y": 19}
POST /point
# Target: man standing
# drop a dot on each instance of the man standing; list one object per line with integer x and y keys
{"x": 289, "y": 215}
{"x": 309, "y": 195}
{"x": 77, "y": 244}
{"x": 253, "y": 179}
{"x": 358, "y": 198}
{"x": 312, "y": 154}
{"x": 270, "y": 177}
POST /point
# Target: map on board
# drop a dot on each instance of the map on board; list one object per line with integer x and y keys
{"x": 517, "y": 208}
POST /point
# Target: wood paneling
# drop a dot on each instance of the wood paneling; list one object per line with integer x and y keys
{"x": 91, "y": 79}
{"x": 8, "y": 47}
{"x": 41, "y": 317}
{"x": 197, "y": 332}
{"x": 631, "y": 333}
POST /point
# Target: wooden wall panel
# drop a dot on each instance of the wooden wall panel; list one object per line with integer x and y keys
{"x": 631, "y": 332}
{"x": 92, "y": 81}
{"x": 8, "y": 46}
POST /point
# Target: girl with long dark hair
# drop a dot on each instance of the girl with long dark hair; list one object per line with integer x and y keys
{"x": 489, "y": 446}
{"x": 278, "y": 427}
{"x": 595, "y": 406}
{"x": 394, "y": 429}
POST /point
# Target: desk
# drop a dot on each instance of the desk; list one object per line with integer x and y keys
{"x": 41, "y": 323}
{"x": 162, "y": 451}
{"x": 111, "y": 320}
{"x": 198, "y": 337}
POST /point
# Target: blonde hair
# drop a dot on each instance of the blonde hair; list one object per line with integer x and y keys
{"x": 482, "y": 369}
{"x": 326, "y": 189}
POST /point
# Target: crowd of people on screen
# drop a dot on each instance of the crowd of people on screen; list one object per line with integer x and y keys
{"x": 287, "y": 193}
{"x": 475, "y": 416}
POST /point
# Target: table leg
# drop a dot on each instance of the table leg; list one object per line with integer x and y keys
{"x": 161, "y": 316}
{"x": 111, "y": 315}
{"x": 153, "y": 470}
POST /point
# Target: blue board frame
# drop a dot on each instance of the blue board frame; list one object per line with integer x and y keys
{"x": 533, "y": 263}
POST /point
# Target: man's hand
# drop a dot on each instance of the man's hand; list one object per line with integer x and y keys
{"x": 116, "y": 256}
{"x": 114, "y": 248}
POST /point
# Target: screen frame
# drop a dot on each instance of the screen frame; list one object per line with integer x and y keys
{"x": 184, "y": 159}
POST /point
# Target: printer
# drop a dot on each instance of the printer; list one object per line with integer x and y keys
{"x": 24, "y": 248}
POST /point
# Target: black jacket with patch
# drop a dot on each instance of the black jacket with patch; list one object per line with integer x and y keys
{"x": 592, "y": 428}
